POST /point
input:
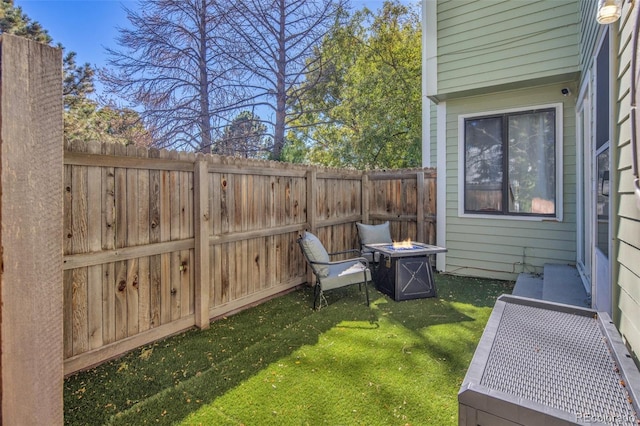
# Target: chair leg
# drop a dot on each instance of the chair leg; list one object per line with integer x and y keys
{"x": 366, "y": 290}
{"x": 316, "y": 295}
{"x": 366, "y": 286}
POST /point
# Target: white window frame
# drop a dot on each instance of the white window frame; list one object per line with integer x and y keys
{"x": 559, "y": 165}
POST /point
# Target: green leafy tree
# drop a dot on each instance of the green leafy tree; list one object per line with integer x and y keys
{"x": 364, "y": 110}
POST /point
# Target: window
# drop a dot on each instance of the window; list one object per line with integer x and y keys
{"x": 510, "y": 163}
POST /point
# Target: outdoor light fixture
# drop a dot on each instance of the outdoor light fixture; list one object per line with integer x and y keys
{"x": 609, "y": 11}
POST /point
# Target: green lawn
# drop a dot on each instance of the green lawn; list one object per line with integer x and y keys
{"x": 280, "y": 363}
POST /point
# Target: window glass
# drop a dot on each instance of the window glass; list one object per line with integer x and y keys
{"x": 602, "y": 202}
{"x": 483, "y": 169}
{"x": 532, "y": 166}
{"x": 510, "y": 163}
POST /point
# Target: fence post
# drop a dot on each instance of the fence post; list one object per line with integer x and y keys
{"x": 312, "y": 184}
{"x": 31, "y": 213}
{"x": 312, "y": 193}
{"x": 365, "y": 197}
{"x": 201, "y": 217}
{"x": 420, "y": 230}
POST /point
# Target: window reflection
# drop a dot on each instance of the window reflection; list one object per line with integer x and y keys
{"x": 602, "y": 202}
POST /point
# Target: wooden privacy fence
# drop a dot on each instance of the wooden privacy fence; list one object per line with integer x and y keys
{"x": 156, "y": 242}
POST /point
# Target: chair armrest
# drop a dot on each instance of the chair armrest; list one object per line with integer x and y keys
{"x": 345, "y": 251}
{"x": 337, "y": 262}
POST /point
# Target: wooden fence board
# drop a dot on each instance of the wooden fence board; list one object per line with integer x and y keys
{"x": 144, "y": 229}
{"x": 185, "y": 188}
{"x": 121, "y": 300}
{"x": 108, "y": 215}
{"x": 215, "y": 197}
{"x": 133, "y": 230}
{"x": 175, "y": 260}
{"x": 227, "y": 270}
{"x": 120, "y": 290}
{"x": 240, "y": 259}
{"x": 79, "y": 315}
{"x": 108, "y": 303}
{"x": 271, "y": 261}
{"x": 132, "y": 317}
{"x": 155, "y": 287}
{"x": 94, "y": 306}
{"x": 216, "y": 275}
{"x": 166, "y": 292}
{"x": 80, "y": 244}
{"x": 226, "y": 203}
{"x": 165, "y": 235}
{"x": 67, "y": 316}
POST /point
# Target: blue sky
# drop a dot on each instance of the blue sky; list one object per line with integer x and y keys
{"x": 87, "y": 27}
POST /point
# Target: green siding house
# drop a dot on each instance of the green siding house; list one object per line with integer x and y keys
{"x": 527, "y": 118}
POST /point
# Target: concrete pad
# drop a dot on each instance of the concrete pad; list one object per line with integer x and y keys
{"x": 562, "y": 284}
{"x": 528, "y": 285}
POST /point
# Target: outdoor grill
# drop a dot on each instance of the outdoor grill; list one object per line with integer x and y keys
{"x": 543, "y": 363}
{"x": 404, "y": 271}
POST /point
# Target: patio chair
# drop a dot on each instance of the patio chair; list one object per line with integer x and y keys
{"x": 331, "y": 275}
{"x": 373, "y": 234}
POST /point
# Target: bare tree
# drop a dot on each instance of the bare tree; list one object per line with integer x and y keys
{"x": 276, "y": 41}
{"x": 190, "y": 66}
{"x": 170, "y": 70}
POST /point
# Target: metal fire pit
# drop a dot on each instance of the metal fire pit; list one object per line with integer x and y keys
{"x": 542, "y": 363}
{"x": 405, "y": 273}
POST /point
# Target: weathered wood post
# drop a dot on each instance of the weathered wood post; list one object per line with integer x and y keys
{"x": 31, "y": 172}
{"x": 202, "y": 216}
{"x": 312, "y": 219}
{"x": 364, "y": 188}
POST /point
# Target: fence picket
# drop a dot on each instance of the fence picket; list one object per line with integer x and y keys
{"x": 165, "y": 235}
{"x": 80, "y": 244}
{"x": 94, "y": 243}
{"x": 108, "y": 243}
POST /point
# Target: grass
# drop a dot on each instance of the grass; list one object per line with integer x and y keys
{"x": 280, "y": 363}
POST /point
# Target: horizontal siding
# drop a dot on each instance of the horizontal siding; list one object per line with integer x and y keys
{"x": 510, "y": 233}
{"x": 626, "y": 179}
{"x": 628, "y": 327}
{"x": 501, "y": 248}
{"x": 627, "y": 282}
{"x": 628, "y": 302}
{"x": 588, "y": 32}
{"x": 546, "y": 64}
{"x": 489, "y": 42}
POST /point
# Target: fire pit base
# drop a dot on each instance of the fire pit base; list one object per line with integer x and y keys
{"x": 404, "y": 278}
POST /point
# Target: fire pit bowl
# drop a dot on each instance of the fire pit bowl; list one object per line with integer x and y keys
{"x": 405, "y": 249}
